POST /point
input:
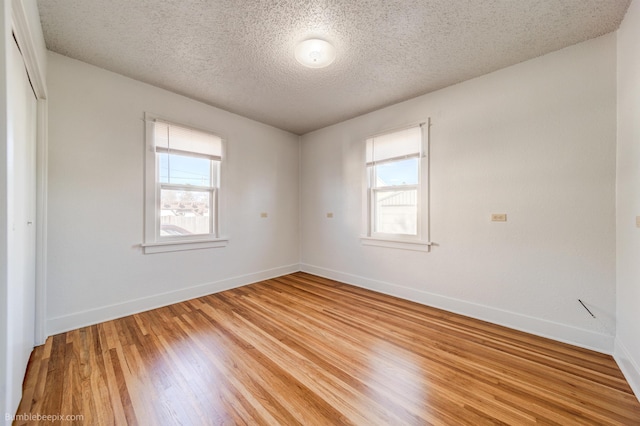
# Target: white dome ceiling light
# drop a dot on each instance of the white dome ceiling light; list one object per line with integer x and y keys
{"x": 315, "y": 53}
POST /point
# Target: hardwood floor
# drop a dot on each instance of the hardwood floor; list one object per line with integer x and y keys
{"x": 306, "y": 350}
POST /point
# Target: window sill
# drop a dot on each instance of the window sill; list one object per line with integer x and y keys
{"x": 180, "y": 245}
{"x": 397, "y": 244}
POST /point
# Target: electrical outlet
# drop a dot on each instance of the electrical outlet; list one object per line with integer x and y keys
{"x": 263, "y": 214}
{"x": 498, "y": 217}
{"x": 330, "y": 215}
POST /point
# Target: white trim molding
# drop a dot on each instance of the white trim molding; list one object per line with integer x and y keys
{"x": 24, "y": 37}
{"x": 561, "y": 332}
{"x": 35, "y": 70}
{"x": 76, "y": 320}
{"x": 178, "y": 245}
{"x": 399, "y": 244}
{"x": 629, "y": 366}
{"x": 41, "y": 222}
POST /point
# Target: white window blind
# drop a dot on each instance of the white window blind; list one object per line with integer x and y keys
{"x": 394, "y": 146}
{"x": 169, "y": 137}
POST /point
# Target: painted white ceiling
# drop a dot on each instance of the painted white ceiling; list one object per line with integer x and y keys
{"x": 239, "y": 55}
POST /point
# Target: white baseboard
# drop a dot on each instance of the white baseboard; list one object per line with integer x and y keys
{"x": 556, "y": 331}
{"x": 561, "y": 332}
{"x": 629, "y": 366}
{"x": 105, "y": 313}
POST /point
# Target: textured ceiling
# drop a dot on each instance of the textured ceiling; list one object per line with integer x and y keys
{"x": 239, "y": 55}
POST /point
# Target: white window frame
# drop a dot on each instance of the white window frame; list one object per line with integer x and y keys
{"x": 420, "y": 241}
{"x": 153, "y": 241}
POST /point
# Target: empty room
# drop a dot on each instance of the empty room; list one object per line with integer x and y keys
{"x": 320, "y": 212}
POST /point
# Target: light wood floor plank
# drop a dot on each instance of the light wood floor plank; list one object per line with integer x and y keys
{"x": 305, "y": 350}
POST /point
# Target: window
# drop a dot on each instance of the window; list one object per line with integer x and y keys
{"x": 397, "y": 196}
{"x": 182, "y": 187}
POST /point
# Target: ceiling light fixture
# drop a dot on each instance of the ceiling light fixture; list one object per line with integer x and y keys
{"x": 315, "y": 53}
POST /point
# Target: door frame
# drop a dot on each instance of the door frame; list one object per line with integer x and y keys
{"x": 35, "y": 71}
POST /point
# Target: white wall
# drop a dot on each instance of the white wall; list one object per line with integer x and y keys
{"x": 96, "y": 268}
{"x": 535, "y": 141}
{"x": 628, "y": 198}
